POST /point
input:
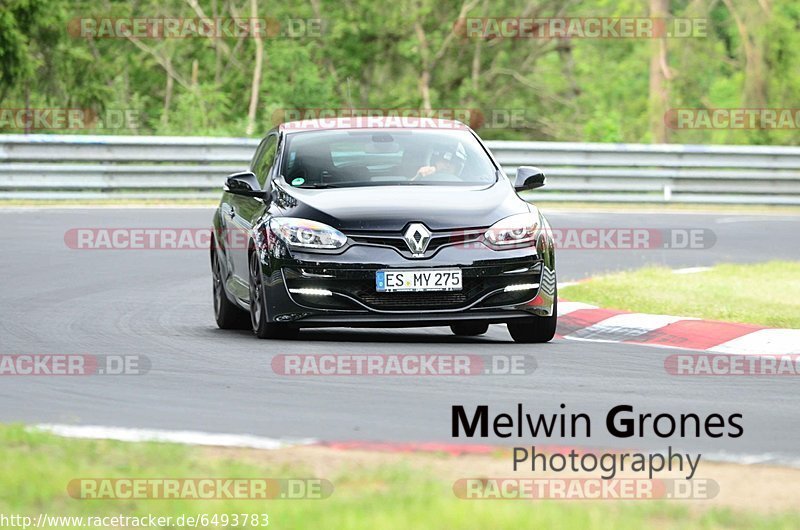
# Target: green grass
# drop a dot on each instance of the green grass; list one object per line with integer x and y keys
{"x": 36, "y": 467}
{"x": 764, "y": 293}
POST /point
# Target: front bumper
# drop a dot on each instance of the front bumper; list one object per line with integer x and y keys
{"x": 344, "y": 294}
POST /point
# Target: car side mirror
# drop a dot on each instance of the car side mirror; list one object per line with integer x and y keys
{"x": 528, "y": 178}
{"x": 244, "y": 184}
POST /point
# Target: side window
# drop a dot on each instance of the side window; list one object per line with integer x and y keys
{"x": 257, "y": 155}
{"x": 265, "y": 159}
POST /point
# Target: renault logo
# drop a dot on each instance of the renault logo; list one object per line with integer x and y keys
{"x": 417, "y": 237}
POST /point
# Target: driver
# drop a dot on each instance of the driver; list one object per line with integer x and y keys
{"x": 448, "y": 160}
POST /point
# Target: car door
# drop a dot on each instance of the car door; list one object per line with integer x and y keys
{"x": 245, "y": 210}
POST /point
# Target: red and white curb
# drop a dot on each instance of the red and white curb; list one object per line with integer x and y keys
{"x": 247, "y": 441}
{"x": 579, "y": 321}
{"x": 452, "y": 449}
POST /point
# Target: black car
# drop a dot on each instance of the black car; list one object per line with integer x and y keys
{"x": 363, "y": 225}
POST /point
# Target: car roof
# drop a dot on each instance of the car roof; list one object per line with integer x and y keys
{"x": 370, "y": 122}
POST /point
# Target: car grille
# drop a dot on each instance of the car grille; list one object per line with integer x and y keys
{"x": 360, "y": 285}
{"x": 438, "y": 240}
{"x": 439, "y": 300}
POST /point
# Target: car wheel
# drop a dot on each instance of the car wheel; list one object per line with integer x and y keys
{"x": 258, "y": 314}
{"x": 227, "y": 314}
{"x": 535, "y": 329}
{"x": 469, "y": 329}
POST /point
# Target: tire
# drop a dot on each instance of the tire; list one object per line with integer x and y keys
{"x": 535, "y": 329}
{"x": 258, "y": 313}
{"x": 469, "y": 328}
{"x": 227, "y": 314}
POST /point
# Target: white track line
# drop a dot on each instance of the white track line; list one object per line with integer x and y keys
{"x": 625, "y": 326}
{"x": 691, "y": 270}
{"x": 126, "y": 434}
{"x": 564, "y": 308}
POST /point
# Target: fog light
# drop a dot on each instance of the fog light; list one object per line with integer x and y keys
{"x": 521, "y": 287}
{"x": 311, "y": 292}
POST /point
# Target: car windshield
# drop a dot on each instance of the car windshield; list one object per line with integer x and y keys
{"x": 392, "y": 157}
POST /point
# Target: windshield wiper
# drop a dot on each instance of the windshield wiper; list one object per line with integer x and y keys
{"x": 316, "y": 186}
{"x": 343, "y": 184}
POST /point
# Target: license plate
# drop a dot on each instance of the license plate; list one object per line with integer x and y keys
{"x": 418, "y": 280}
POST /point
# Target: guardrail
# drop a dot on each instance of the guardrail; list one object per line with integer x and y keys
{"x": 67, "y": 166}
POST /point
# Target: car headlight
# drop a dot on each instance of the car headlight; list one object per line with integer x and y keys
{"x": 516, "y": 231}
{"x": 304, "y": 233}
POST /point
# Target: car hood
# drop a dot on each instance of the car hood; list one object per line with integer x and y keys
{"x": 388, "y": 208}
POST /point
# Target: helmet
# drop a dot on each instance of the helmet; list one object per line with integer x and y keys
{"x": 454, "y": 154}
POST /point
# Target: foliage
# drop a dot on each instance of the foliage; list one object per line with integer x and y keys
{"x": 376, "y": 55}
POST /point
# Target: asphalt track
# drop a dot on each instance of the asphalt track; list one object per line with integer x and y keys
{"x": 157, "y": 303}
